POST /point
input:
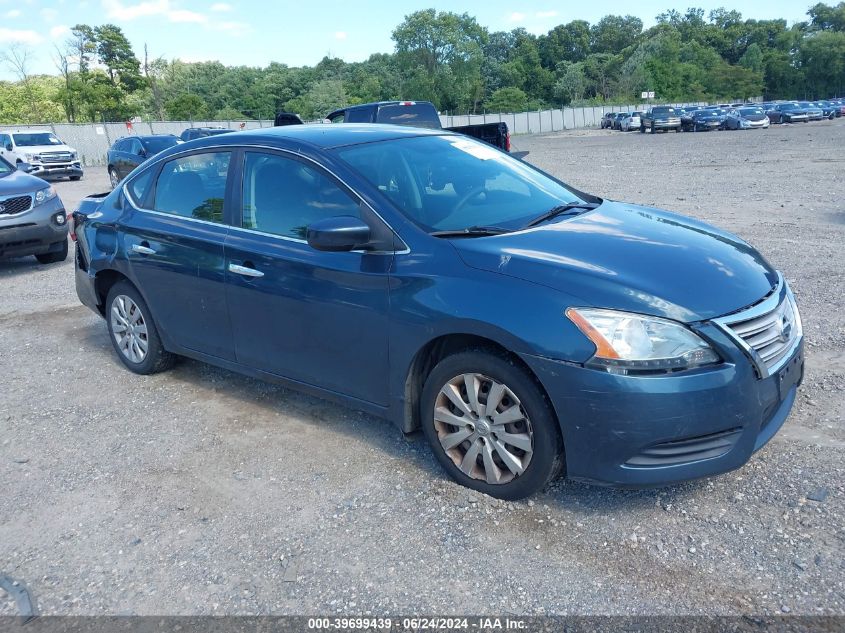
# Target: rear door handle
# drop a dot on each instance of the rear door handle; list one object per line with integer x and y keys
{"x": 245, "y": 271}
{"x": 142, "y": 250}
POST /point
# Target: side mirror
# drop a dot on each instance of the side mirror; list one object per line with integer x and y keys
{"x": 9, "y": 147}
{"x": 338, "y": 234}
{"x": 142, "y": 153}
{"x": 25, "y": 167}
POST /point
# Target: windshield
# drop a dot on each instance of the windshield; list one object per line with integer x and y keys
{"x": 787, "y": 106}
{"x": 156, "y": 145}
{"x": 748, "y": 111}
{"x": 36, "y": 138}
{"x": 450, "y": 183}
{"x": 664, "y": 110}
{"x": 5, "y": 168}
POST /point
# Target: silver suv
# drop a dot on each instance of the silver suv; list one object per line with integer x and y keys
{"x": 32, "y": 217}
{"x": 43, "y": 151}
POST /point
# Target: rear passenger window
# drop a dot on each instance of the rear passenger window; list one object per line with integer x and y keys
{"x": 283, "y": 196}
{"x": 194, "y": 186}
{"x": 139, "y": 186}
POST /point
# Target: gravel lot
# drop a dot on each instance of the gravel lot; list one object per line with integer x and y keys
{"x": 199, "y": 491}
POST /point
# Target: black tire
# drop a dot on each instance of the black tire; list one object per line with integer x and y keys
{"x": 651, "y": 128}
{"x": 76, "y": 177}
{"x": 114, "y": 179}
{"x": 156, "y": 358}
{"x": 54, "y": 258}
{"x": 546, "y": 460}
{"x": 642, "y": 129}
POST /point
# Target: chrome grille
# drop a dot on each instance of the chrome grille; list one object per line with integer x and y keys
{"x": 56, "y": 157}
{"x": 769, "y": 331}
{"x": 15, "y": 204}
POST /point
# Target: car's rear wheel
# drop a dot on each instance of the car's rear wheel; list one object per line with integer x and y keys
{"x": 113, "y": 178}
{"x": 76, "y": 177}
{"x": 490, "y": 425}
{"x": 133, "y": 331}
{"x": 54, "y": 257}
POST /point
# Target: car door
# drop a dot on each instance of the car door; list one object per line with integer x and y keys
{"x": 173, "y": 234}
{"x": 319, "y": 318}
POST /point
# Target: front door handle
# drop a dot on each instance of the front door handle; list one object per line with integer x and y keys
{"x": 246, "y": 271}
{"x": 142, "y": 250}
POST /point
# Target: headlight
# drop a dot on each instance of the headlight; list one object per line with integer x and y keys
{"x": 29, "y": 157}
{"x": 634, "y": 343}
{"x": 74, "y": 156}
{"x": 43, "y": 195}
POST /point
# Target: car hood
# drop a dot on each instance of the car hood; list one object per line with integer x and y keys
{"x": 37, "y": 149}
{"x": 20, "y": 182}
{"x": 633, "y": 258}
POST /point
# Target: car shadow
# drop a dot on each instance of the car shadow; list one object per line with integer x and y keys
{"x": 15, "y": 266}
{"x": 242, "y": 393}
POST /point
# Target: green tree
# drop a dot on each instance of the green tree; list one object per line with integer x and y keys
{"x": 186, "y": 107}
{"x": 507, "y": 100}
{"x": 442, "y": 52}
{"x": 614, "y": 33}
{"x": 565, "y": 42}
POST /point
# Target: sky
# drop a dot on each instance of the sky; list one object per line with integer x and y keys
{"x": 254, "y": 33}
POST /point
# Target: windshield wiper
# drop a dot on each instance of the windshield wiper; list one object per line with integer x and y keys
{"x": 472, "y": 231}
{"x": 560, "y": 210}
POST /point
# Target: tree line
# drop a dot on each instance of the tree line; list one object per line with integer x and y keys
{"x": 451, "y": 60}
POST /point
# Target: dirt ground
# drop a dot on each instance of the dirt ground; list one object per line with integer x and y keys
{"x": 199, "y": 491}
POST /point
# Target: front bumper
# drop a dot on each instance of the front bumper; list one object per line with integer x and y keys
{"x": 33, "y": 232}
{"x": 639, "y": 431}
{"x": 51, "y": 170}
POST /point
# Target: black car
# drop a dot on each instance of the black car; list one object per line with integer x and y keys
{"x": 787, "y": 113}
{"x": 607, "y": 120}
{"x": 705, "y": 119}
{"x": 189, "y": 134}
{"x": 129, "y": 152}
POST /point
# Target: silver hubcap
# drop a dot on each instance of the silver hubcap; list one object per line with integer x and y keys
{"x": 483, "y": 428}
{"x": 113, "y": 178}
{"x": 129, "y": 329}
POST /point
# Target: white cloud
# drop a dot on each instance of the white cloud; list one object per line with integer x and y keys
{"x": 235, "y": 29}
{"x": 14, "y": 13}
{"x": 20, "y": 37}
{"x": 58, "y": 31}
{"x": 181, "y": 15}
{"x": 49, "y": 15}
{"x": 116, "y": 10}
{"x": 516, "y": 16}
{"x": 340, "y": 35}
{"x": 546, "y": 14}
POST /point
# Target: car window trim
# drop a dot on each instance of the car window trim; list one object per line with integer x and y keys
{"x": 158, "y": 162}
{"x": 156, "y": 169}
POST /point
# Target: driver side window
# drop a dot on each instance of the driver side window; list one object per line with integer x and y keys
{"x": 283, "y": 196}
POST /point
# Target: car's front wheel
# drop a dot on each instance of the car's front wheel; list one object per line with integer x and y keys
{"x": 133, "y": 332}
{"x": 490, "y": 425}
{"x": 114, "y": 179}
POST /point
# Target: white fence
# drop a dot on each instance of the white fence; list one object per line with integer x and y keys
{"x": 543, "y": 121}
{"x": 92, "y": 140}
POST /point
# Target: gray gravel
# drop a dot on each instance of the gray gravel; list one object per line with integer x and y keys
{"x": 199, "y": 491}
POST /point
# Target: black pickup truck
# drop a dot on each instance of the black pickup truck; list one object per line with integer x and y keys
{"x": 420, "y": 114}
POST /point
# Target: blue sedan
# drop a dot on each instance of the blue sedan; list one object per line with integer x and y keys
{"x": 527, "y": 328}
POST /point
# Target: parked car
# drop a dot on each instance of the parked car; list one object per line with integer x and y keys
{"x": 660, "y": 118}
{"x": 191, "y": 133}
{"x": 421, "y": 114}
{"x": 706, "y": 119}
{"x": 286, "y": 118}
{"x": 43, "y": 151}
{"x": 830, "y": 109}
{"x": 787, "y": 113}
{"x": 630, "y": 122}
{"x": 746, "y": 118}
{"x": 129, "y": 152}
{"x": 32, "y": 216}
{"x": 607, "y": 120}
{"x": 814, "y": 112}
{"x": 527, "y": 328}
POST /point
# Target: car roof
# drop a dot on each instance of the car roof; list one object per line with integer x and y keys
{"x": 321, "y": 135}
{"x": 28, "y": 131}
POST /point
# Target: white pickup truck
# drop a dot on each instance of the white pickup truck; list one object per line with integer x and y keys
{"x": 47, "y": 155}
